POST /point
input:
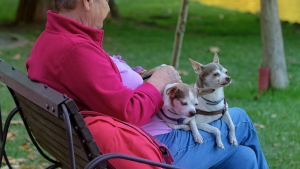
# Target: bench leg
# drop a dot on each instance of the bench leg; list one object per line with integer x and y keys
{"x": 69, "y": 136}
{"x": 1, "y": 134}
{"x": 3, "y": 137}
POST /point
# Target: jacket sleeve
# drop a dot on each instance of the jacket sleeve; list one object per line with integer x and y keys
{"x": 89, "y": 74}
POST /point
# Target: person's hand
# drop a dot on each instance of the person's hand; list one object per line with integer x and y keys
{"x": 163, "y": 76}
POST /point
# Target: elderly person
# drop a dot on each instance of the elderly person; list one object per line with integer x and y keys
{"x": 68, "y": 56}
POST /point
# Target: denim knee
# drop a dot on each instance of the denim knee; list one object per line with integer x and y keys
{"x": 239, "y": 115}
{"x": 244, "y": 158}
{"x": 247, "y": 158}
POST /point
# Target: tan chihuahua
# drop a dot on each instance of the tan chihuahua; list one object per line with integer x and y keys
{"x": 179, "y": 109}
{"x": 213, "y": 106}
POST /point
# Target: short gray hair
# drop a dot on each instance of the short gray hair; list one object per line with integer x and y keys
{"x": 64, "y": 4}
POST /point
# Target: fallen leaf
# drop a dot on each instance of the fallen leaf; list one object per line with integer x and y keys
{"x": 17, "y": 122}
{"x": 26, "y": 167}
{"x": 273, "y": 115}
{"x": 0, "y": 53}
{"x": 31, "y": 156}
{"x": 182, "y": 72}
{"x": 40, "y": 167}
{"x": 10, "y": 135}
{"x": 14, "y": 161}
{"x": 214, "y": 49}
{"x": 13, "y": 166}
{"x": 17, "y": 56}
{"x": 24, "y": 146}
{"x": 276, "y": 144}
{"x": 45, "y": 164}
{"x": 259, "y": 125}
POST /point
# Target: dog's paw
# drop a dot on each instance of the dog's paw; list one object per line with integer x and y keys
{"x": 221, "y": 146}
{"x": 233, "y": 141}
{"x": 198, "y": 138}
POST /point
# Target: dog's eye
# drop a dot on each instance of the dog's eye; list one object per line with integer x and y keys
{"x": 183, "y": 103}
{"x": 196, "y": 104}
{"x": 226, "y": 72}
{"x": 216, "y": 74}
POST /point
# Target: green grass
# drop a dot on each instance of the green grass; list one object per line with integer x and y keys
{"x": 145, "y": 37}
{"x": 8, "y": 10}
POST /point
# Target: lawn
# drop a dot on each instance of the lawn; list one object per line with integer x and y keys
{"x": 145, "y": 37}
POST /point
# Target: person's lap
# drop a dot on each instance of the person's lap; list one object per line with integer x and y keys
{"x": 188, "y": 154}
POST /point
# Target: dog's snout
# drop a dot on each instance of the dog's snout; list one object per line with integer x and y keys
{"x": 228, "y": 79}
{"x": 193, "y": 113}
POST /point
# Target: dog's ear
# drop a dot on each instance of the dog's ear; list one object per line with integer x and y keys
{"x": 172, "y": 91}
{"x": 202, "y": 91}
{"x": 198, "y": 67}
{"x": 216, "y": 58}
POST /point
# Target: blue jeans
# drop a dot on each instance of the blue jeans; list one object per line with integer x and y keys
{"x": 188, "y": 154}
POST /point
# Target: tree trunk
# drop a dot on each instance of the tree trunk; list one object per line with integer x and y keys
{"x": 33, "y": 11}
{"x": 42, "y": 6}
{"x": 272, "y": 44}
{"x": 114, "y": 10}
{"x": 26, "y": 11}
{"x": 182, "y": 18}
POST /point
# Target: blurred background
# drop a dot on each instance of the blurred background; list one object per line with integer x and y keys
{"x": 287, "y": 9}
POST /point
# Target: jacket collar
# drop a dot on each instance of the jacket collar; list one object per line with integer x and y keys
{"x": 60, "y": 24}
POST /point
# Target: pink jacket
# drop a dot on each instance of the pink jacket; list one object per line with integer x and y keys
{"x": 68, "y": 57}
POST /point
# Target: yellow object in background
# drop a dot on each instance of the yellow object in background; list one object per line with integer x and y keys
{"x": 288, "y": 10}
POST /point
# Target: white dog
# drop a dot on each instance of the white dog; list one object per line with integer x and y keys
{"x": 179, "y": 109}
{"x": 213, "y": 106}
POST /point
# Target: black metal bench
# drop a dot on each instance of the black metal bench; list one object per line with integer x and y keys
{"x": 52, "y": 120}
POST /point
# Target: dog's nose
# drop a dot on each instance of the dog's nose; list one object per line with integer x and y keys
{"x": 193, "y": 113}
{"x": 228, "y": 79}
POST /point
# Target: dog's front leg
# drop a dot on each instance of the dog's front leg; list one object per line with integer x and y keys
{"x": 232, "y": 138}
{"x": 195, "y": 132}
{"x": 184, "y": 127}
{"x": 211, "y": 129}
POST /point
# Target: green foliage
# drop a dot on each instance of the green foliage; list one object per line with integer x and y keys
{"x": 8, "y": 10}
{"x": 145, "y": 37}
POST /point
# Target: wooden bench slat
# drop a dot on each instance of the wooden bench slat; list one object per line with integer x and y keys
{"x": 38, "y": 123}
{"x": 77, "y": 118}
{"x": 64, "y": 161}
{"x": 47, "y": 124}
{"x": 56, "y": 140}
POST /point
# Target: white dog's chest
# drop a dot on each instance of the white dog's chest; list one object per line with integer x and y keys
{"x": 221, "y": 108}
{"x": 207, "y": 119}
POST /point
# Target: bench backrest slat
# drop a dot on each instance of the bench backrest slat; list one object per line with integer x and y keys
{"x": 48, "y": 130}
{"x": 38, "y": 93}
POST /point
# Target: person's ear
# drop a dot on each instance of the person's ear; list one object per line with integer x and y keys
{"x": 87, "y": 4}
